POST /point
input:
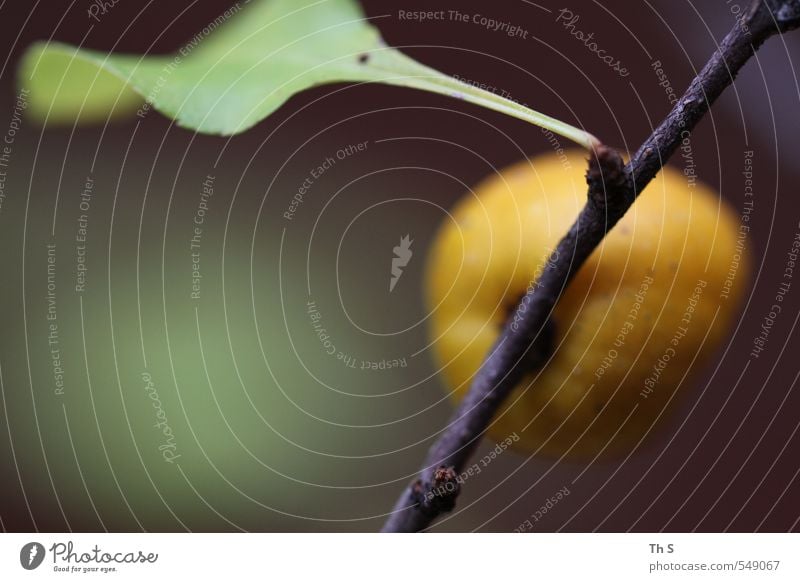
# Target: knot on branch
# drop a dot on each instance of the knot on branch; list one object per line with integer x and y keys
{"x": 439, "y": 495}
{"x": 540, "y": 345}
{"x": 607, "y": 180}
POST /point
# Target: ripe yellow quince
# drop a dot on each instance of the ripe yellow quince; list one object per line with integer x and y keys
{"x": 644, "y": 312}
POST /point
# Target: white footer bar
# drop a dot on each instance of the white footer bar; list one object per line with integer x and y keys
{"x": 385, "y": 557}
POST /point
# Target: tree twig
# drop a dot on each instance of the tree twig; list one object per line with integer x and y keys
{"x": 526, "y": 341}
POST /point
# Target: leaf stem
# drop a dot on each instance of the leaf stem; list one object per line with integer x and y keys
{"x": 419, "y": 76}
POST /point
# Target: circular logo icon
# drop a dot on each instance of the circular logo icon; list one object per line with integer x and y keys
{"x": 31, "y": 555}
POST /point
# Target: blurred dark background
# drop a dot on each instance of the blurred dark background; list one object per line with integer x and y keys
{"x": 275, "y": 435}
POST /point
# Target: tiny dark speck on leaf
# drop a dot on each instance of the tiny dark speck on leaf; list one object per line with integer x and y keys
{"x": 363, "y": 58}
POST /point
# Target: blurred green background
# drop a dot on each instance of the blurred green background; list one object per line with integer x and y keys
{"x": 269, "y": 427}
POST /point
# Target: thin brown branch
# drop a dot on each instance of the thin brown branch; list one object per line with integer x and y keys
{"x": 612, "y": 190}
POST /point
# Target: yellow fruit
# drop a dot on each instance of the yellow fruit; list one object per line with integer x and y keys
{"x": 644, "y": 312}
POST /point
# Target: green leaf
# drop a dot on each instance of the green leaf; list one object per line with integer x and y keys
{"x": 65, "y": 88}
{"x": 241, "y": 68}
